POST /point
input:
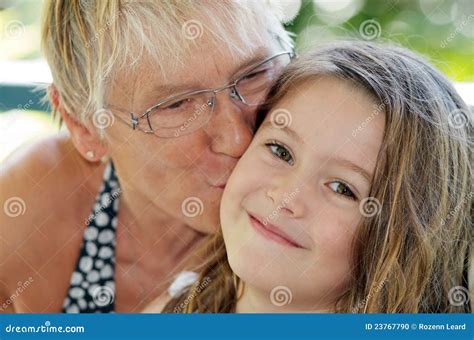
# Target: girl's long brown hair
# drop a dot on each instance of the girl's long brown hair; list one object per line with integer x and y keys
{"x": 412, "y": 256}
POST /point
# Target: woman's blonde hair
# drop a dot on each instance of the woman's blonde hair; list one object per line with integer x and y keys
{"x": 88, "y": 43}
{"x": 411, "y": 257}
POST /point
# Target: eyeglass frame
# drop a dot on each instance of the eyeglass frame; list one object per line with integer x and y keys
{"x": 134, "y": 119}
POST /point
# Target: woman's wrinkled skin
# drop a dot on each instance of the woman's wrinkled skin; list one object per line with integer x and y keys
{"x": 58, "y": 186}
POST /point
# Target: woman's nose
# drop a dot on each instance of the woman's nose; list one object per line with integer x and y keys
{"x": 231, "y": 127}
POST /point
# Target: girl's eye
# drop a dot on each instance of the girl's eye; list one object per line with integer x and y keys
{"x": 342, "y": 189}
{"x": 281, "y": 152}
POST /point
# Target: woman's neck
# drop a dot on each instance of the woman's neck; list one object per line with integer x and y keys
{"x": 151, "y": 226}
{"x": 254, "y": 300}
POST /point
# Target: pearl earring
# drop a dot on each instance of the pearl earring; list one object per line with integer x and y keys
{"x": 90, "y": 154}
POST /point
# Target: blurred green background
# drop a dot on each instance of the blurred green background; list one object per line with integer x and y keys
{"x": 441, "y": 30}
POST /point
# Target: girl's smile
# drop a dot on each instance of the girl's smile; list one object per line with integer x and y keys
{"x": 273, "y": 232}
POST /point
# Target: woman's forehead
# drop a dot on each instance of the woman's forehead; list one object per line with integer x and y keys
{"x": 204, "y": 66}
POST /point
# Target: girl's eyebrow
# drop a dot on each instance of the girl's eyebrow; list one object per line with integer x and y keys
{"x": 287, "y": 129}
{"x": 343, "y": 162}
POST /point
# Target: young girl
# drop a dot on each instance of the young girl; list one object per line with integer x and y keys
{"x": 355, "y": 195}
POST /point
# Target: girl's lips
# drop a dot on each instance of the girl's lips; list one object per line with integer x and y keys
{"x": 272, "y": 232}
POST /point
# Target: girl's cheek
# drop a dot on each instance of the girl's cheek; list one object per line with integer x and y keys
{"x": 245, "y": 176}
{"x": 334, "y": 232}
{"x": 253, "y": 167}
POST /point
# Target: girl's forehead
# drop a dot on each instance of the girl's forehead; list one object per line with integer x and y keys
{"x": 330, "y": 116}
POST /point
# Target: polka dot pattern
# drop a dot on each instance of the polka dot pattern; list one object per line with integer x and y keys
{"x": 95, "y": 267}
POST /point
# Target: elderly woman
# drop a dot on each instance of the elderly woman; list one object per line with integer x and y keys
{"x": 159, "y": 100}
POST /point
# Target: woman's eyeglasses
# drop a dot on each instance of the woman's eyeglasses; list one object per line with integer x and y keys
{"x": 185, "y": 113}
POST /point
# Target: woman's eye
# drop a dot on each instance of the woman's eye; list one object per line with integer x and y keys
{"x": 342, "y": 189}
{"x": 177, "y": 104}
{"x": 254, "y": 74}
{"x": 281, "y": 152}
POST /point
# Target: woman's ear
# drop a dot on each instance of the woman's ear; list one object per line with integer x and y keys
{"x": 84, "y": 136}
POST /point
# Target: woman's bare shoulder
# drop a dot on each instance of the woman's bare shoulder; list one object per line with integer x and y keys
{"x": 43, "y": 191}
{"x": 32, "y": 162}
{"x": 41, "y": 172}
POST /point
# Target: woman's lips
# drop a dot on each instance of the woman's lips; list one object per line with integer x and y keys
{"x": 272, "y": 232}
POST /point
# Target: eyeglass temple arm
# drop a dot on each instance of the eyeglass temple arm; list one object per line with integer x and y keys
{"x": 133, "y": 119}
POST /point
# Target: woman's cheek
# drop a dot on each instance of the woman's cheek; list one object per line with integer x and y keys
{"x": 250, "y": 172}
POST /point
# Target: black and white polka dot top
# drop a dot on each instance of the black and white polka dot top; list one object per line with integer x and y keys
{"x": 92, "y": 286}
